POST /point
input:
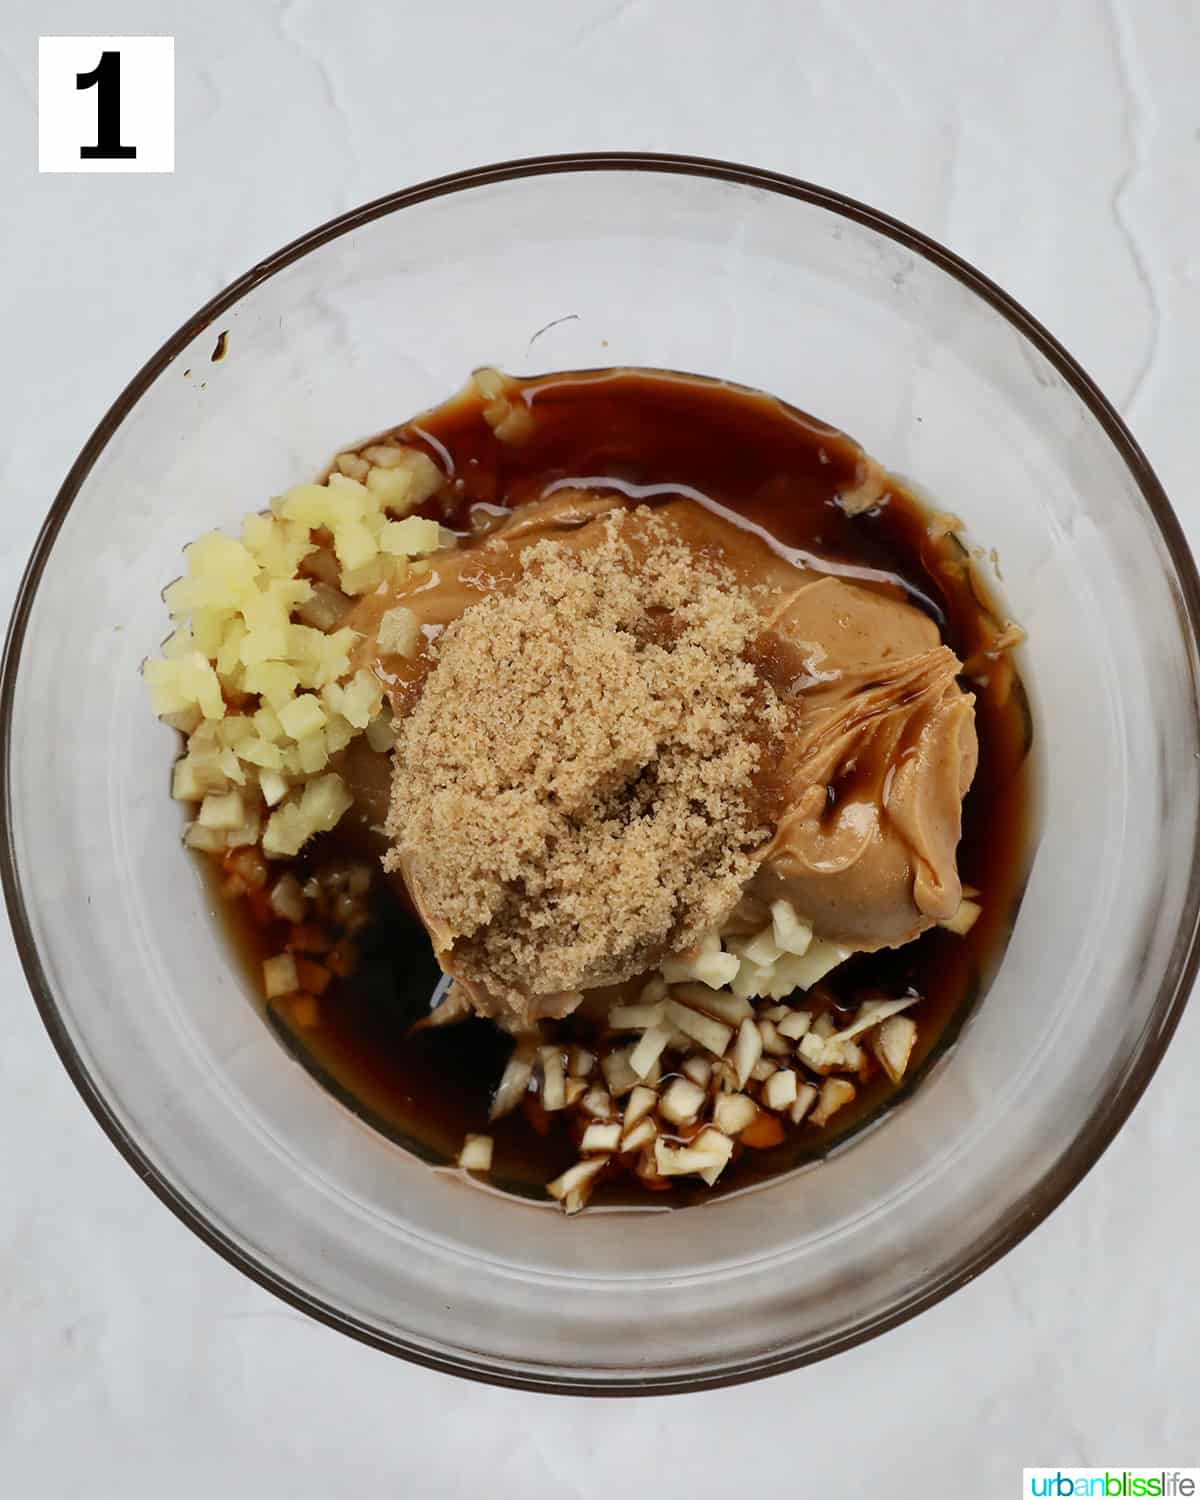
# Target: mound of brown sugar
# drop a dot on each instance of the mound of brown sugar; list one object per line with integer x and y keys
{"x": 573, "y": 792}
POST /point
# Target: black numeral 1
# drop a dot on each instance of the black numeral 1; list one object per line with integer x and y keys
{"x": 106, "y": 76}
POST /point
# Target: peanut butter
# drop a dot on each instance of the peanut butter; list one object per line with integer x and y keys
{"x": 862, "y": 750}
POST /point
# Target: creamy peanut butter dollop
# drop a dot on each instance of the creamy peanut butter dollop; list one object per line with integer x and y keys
{"x": 831, "y": 701}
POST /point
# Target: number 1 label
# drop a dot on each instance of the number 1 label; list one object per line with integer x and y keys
{"x": 105, "y": 78}
{"x": 106, "y": 104}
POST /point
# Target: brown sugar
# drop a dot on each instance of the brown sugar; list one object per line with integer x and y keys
{"x": 573, "y": 792}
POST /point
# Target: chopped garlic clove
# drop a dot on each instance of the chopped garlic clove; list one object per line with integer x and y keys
{"x": 715, "y": 969}
{"x": 720, "y": 1004}
{"x": 806, "y": 1097}
{"x": 794, "y": 1025}
{"x": 870, "y": 1013}
{"x": 699, "y": 1070}
{"x": 574, "y": 1187}
{"x": 722, "y": 1149}
{"x": 618, "y": 1073}
{"x": 893, "y": 1044}
{"x": 818, "y": 1053}
{"x": 773, "y": 1042}
{"x": 639, "y": 1136}
{"x": 554, "y": 1095}
{"x": 853, "y": 1056}
{"x": 514, "y": 1081}
{"x": 779, "y": 1091}
{"x": 746, "y": 1051}
{"x": 725, "y": 1075}
{"x": 791, "y": 934}
{"x": 749, "y": 981}
{"x": 580, "y": 1062}
{"x": 713, "y": 1035}
{"x": 835, "y": 1094}
{"x": 634, "y": 1017}
{"x": 682, "y": 1101}
{"x": 734, "y": 1113}
{"x": 762, "y": 948}
{"x": 709, "y": 1150}
{"x": 706, "y": 962}
{"x": 598, "y": 1103}
{"x": 476, "y": 1154}
{"x": 599, "y": 1137}
{"x": 819, "y": 958}
{"x": 648, "y": 1051}
{"x": 639, "y": 1104}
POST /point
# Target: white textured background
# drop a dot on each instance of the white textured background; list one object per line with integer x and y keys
{"x": 1055, "y": 143}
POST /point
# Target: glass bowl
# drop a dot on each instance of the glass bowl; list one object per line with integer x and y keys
{"x": 563, "y": 263}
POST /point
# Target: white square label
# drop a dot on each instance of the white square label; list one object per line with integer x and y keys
{"x": 106, "y": 104}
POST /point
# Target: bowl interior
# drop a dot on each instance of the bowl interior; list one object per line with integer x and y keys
{"x": 591, "y": 265}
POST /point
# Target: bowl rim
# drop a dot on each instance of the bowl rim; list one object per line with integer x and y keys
{"x": 1096, "y": 1132}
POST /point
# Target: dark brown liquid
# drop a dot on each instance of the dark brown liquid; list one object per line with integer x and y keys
{"x": 783, "y": 471}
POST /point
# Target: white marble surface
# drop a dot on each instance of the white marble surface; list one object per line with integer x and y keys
{"x": 1058, "y": 147}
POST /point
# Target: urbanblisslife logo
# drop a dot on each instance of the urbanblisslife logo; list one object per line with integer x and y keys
{"x": 1113, "y": 1484}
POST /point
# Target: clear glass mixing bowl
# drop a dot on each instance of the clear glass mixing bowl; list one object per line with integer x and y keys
{"x": 557, "y": 264}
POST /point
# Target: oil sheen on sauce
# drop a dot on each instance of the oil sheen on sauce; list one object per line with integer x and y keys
{"x": 656, "y": 436}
